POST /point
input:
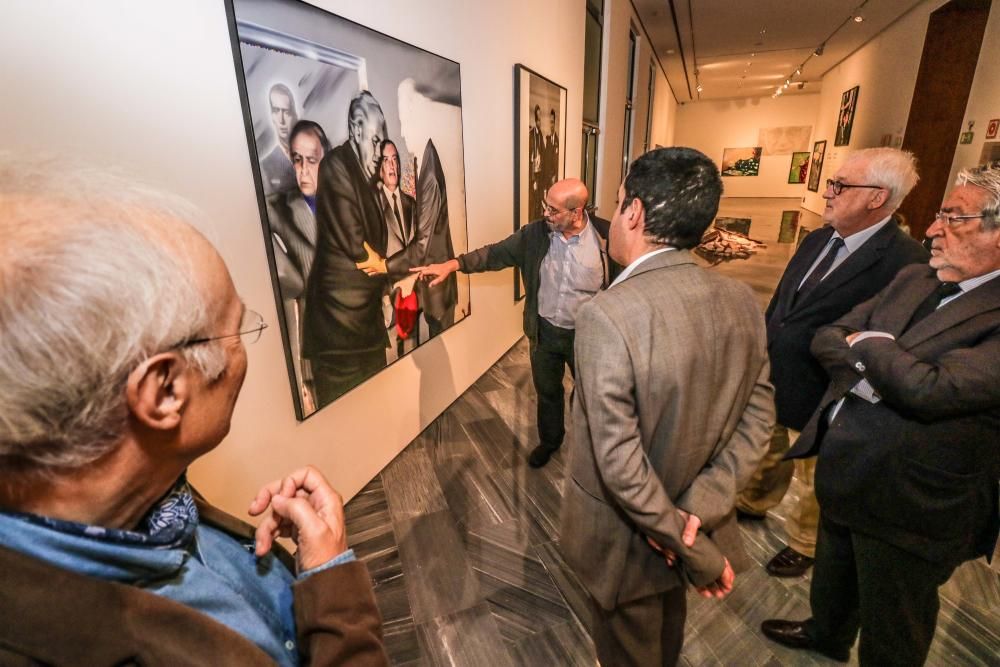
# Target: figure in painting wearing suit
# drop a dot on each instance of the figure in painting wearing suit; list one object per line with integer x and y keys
{"x": 550, "y": 154}
{"x": 344, "y": 333}
{"x": 536, "y": 149}
{"x": 276, "y": 169}
{"x": 848, "y": 261}
{"x": 292, "y": 217}
{"x": 907, "y": 440}
{"x": 671, "y": 416}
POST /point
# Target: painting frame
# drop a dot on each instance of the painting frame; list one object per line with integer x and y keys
{"x": 539, "y": 159}
{"x": 799, "y": 167}
{"x": 741, "y": 161}
{"x": 845, "y": 117}
{"x": 816, "y": 164}
{"x": 279, "y": 40}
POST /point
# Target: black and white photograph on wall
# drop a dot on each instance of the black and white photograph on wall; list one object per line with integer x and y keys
{"x": 845, "y": 119}
{"x": 540, "y": 130}
{"x": 356, "y": 143}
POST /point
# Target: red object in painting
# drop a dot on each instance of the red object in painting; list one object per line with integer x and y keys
{"x": 407, "y": 310}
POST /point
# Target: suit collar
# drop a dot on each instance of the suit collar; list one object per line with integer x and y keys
{"x": 980, "y": 300}
{"x": 857, "y": 262}
{"x": 659, "y": 261}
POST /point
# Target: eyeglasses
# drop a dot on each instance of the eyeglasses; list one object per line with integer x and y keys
{"x": 548, "y": 209}
{"x": 838, "y": 186}
{"x": 251, "y": 326}
{"x": 952, "y": 220}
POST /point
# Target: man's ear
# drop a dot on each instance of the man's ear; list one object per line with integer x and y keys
{"x": 635, "y": 215}
{"x": 880, "y": 198}
{"x": 157, "y": 391}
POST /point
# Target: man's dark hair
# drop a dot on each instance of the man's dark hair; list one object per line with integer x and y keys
{"x": 313, "y": 128}
{"x": 679, "y": 189}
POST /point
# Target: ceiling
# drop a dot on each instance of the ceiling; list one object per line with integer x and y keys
{"x": 749, "y": 48}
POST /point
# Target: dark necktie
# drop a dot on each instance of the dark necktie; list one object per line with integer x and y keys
{"x": 399, "y": 220}
{"x": 821, "y": 269}
{"x": 933, "y": 300}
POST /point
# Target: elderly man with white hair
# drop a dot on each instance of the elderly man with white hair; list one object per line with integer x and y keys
{"x": 906, "y": 435}
{"x": 121, "y": 359}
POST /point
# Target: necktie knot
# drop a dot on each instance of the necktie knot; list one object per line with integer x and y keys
{"x": 944, "y": 290}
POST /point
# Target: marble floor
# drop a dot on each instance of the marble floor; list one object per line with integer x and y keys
{"x": 460, "y": 535}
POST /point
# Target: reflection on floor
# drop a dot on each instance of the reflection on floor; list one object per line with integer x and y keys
{"x": 460, "y": 536}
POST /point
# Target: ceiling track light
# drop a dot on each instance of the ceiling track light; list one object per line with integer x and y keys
{"x": 859, "y": 18}
{"x": 699, "y": 88}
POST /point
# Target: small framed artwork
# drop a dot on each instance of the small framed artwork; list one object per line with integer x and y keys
{"x": 741, "y": 161}
{"x": 816, "y": 165}
{"x": 539, "y": 160}
{"x": 789, "y": 226}
{"x": 992, "y": 127}
{"x": 966, "y": 138}
{"x": 799, "y": 167}
{"x": 845, "y": 120}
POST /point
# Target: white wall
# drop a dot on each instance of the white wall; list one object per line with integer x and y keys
{"x": 984, "y": 97}
{"x": 151, "y": 88}
{"x": 619, "y": 18}
{"x": 886, "y": 69}
{"x": 712, "y": 126}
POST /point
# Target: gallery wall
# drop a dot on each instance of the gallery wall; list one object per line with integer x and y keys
{"x": 714, "y": 125}
{"x": 150, "y": 88}
{"x": 984, "y": 98}
{"x": 886, "y": 70}
{"x": 619, "y": 18}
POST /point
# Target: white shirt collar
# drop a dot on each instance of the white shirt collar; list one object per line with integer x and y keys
{"x": 631, "y": 267}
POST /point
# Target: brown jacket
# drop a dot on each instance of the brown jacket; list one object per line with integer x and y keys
{"x": 52, "y": 616}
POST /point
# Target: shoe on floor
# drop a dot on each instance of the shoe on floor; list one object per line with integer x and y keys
{"x": 795, "y": 634}
{"x": 540, "y": 455}
{"x": 789, "y": 563}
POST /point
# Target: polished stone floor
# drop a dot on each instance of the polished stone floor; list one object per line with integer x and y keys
{"x": 461, "y": 535}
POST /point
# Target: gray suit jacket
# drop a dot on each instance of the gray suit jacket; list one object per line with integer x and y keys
{"x": 673, "y": 410}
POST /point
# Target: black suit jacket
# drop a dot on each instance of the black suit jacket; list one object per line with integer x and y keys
{"x": 920, "y": 468}
{"x": 799, "y": 380}
{"x": 344, "y": 306}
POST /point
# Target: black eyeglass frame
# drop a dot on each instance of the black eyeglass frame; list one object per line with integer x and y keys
{"x": 838, "y": 186}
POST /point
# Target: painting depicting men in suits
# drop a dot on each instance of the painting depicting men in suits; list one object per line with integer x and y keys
{"x": 389, "y": 189}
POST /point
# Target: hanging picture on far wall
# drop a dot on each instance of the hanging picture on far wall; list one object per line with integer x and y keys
{"x": 799, "y": 167}
{"x": 539, "y": 156}
{"x": 816, "y": 165}
{"x": 845, "y": 120}
{"x": 356, "y": 146}
{"x": 740, "y": 161}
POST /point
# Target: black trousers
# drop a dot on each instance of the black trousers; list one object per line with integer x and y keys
{"x": 862, "y": 583}
{"x": 551, "y": 352}
{"x": 643, "y": 633}
{"x": 336, "y": 374}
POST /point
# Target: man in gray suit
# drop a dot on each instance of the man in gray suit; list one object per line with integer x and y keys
{"x": 672, "y": 414}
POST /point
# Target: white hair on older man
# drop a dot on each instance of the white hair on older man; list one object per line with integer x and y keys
{"x": 88, "y": 291}
{"x": 987, "y": 177}
{"x": 889, "y": 168}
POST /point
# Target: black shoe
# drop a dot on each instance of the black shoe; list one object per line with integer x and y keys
{"x": 540, "y": 455}
{"x": 789, "y": 563}
{"x": 795, "y": 634}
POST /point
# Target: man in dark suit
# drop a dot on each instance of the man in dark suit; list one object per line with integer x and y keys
{"x": 344, "y": 333}
{"x": 847, "y": 262}
{"x": 550, "y": 154}
{"x": 563, "y": 259}
{"x": 907, "y": 440}
{"x": 655, "y": 456}
{"x": 292, "y": 218}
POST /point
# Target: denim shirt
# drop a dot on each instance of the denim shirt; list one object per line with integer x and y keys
{"x": 210, "y": 571}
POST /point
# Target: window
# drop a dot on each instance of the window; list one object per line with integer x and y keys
{"x": 593, "y": 38}
{"x": 629, "y": 95}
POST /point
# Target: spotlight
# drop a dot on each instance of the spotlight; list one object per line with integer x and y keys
{"x": 802, "y": 84}
{"x": 787, "y": 81}
{"x": 699, "y": 88}
{"x": 859, "y": 18}
{"x": 798, "y": 71}
{"x": 819, "y": 50}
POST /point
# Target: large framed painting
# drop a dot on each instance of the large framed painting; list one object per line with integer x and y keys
{"x": 741, "y": 161}
{"x": 799, "y": 168}
{"x": 356, "y": 146}
{"x": 816, "y": 165}
{"x": 845, "y": 120}
{"x": 539, "y": 153}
